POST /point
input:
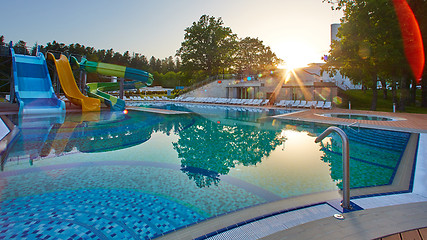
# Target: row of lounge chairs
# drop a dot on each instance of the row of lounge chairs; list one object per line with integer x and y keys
{"x": 235, "y": 101}
{"x": 304, "y": 104}
{"x": 253, "y": 102}
{"x": 139, "y": 98}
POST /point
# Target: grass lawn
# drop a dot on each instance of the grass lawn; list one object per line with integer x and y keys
{"x": 361, "y": 100}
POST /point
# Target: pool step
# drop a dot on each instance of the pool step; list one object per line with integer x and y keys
{"x": 384, "y": 139}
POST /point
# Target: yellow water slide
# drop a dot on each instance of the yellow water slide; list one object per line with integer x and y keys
{"x": 68, "y": 84}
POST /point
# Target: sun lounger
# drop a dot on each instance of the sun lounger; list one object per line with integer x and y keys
{"x": 328, "y": 105}
{"x": 234, "y": 101}
{"x": 243, "y": 101}
{"x": 302, "y": 103}
{"x": 310, "y": 104}
{"x": 296, "y": 103}
{"x": 288, "y": 103}
{"x": 218, "y": 100}
{"x": 280, "y": 104}
{"x": 265, "y": 102}
{"x": 319, "y": 104}
{"x": 257, "y": 102}
{"x": 249, "y": 102}
{"x": 253, "y": 102}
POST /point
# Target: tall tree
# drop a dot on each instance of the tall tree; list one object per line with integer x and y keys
{"x": 253, "y": 57}
{"x": 370, "y": 45}
{"x": 207, "y": 46}
{"x": 419, "y": 7}
{"x": 21, "y": 47}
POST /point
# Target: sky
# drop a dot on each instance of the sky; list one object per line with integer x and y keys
{"x": 297, "y": 31}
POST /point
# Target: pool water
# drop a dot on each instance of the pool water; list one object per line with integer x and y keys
{"x": 360, "y": 117}
{"x": 140, "y": 175}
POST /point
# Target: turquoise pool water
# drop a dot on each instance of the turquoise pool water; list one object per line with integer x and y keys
{"x": 360, "y": 117}
{"x": 141, "y": 175}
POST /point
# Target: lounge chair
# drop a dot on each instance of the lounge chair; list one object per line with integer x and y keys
{"x": 280, "y": 104}
{"x": 243, "y": 101}
{"x": 302, "y": 103}
{"x": 319, "y": 104}
{"x": 310, "y": 104}
{"x": 328, "y": 105}
{"x": 249, "y": 102}
{"x": 257, "y": 102}
{"x": 265, "y": 102}
{"x": 233, "y": 101}
{"x": 253, "y": 102}
{"x": 296, "y": 103}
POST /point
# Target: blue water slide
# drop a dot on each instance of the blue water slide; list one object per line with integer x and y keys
{"x": 33, "y": 87}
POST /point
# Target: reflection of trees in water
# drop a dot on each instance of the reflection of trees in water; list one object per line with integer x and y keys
{"x": 208, "y": 149}
{"x": 174, "y": 124}
{"x": 369, "y": 166}
{"x": 334, "y": 160}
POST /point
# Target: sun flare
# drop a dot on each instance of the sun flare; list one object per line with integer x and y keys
{"x": 297, "y": 55}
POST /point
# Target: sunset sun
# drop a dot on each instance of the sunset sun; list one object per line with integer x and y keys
{"x": 297, "y": 55}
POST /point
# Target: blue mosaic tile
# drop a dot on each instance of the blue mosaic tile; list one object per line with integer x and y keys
{"x": 88, "y": 214}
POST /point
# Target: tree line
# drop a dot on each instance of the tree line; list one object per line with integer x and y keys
{"x": 209, "y": 48}
{"x": 371, "y": 49}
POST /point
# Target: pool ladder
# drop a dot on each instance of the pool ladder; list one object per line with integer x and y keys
{"x": 354, "y": 124}
{"x": 345, "y": 162}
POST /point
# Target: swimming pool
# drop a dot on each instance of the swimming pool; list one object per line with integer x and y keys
{"x": 141, "y": 175}
{"x": 361, "y": 117}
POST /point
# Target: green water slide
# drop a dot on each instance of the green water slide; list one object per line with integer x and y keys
{"x": 138, "y": 79}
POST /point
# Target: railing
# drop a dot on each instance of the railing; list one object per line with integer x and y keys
{"x": 354, "y": 124}
{"x": 345, "y": 162}
{"x": 207, "y": 81}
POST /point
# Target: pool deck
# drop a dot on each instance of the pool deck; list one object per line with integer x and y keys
{"x": 410, "y": 122}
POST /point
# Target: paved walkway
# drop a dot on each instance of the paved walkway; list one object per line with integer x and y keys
{"x": 365, "y": 224}
{"x": 410, "y": 121}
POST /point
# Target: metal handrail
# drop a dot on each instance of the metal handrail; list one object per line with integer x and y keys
{"x": 354, "y": 124}
{"x": 345, "y": 162}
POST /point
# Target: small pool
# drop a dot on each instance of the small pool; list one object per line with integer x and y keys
{"x": 141, "y": 175}
{"x": 361, "y": 117}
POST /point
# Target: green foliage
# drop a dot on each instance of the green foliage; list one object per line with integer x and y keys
{"x": 198, "y": 148}
{"x": 21, "y": 47}
{"x": 210, "y": 49}
{"x": 207, "y": 46}
{"x": 361, "y": 100}
{"x": 370, "y": 45}
{"x": 254, "y": 57}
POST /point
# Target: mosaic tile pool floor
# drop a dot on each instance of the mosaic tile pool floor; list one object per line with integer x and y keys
{"x": 92, "y": 214}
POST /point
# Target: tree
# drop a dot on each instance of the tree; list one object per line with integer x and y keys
{"x": 21, "y": 47}
{"x": 207, "y": 46}
{"x": 419, "y": 7}
{"x": 370, "y": 45}
{"x": 253, "y": 57}
{"x": 2, "y": 40}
